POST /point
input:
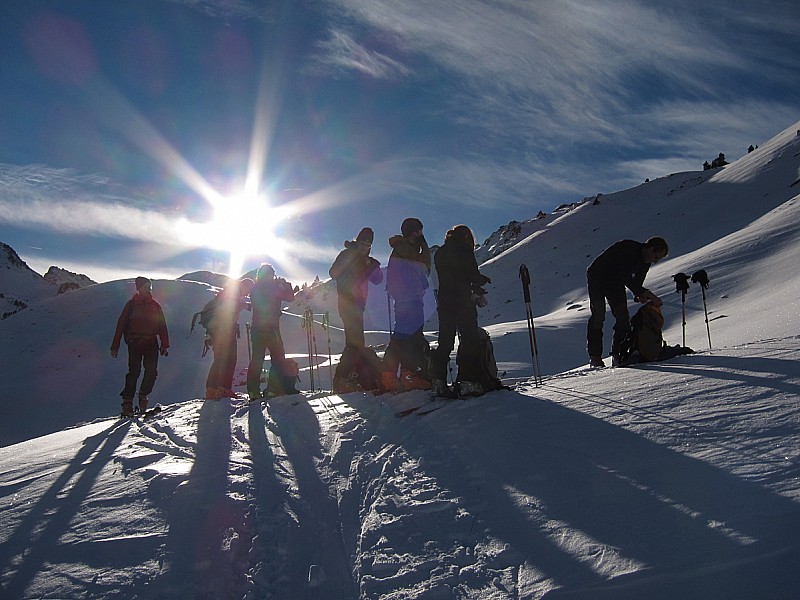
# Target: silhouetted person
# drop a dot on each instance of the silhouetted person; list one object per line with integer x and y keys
{"x": 142, "y": 325}
{"x": 620, "y": 266}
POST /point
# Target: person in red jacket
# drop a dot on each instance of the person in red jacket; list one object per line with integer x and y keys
{"x": 142, "y": 325}
{"x": 266, "y": 296}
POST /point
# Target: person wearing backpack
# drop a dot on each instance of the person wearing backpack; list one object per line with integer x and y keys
{"x": 622, "y": 265}
{"x": 265, "y": 334}
{"x": 223, "y": 331}
{"x": 406, "y": 282}
{"x": 353, "y": 270}
{"x": 142, "y": 325}
{"x": 460, "y": 291}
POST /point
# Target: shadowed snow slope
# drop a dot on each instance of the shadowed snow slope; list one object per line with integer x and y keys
{"x": 678, "y": 479}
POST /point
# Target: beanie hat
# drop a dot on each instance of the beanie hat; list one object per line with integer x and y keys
{"x": 365, "y": 235}
{"x": 265, "y": 271}
{"x": 142, "y": 282}
{"x": 246, "y": 285}
{"x": 410, "y": 225}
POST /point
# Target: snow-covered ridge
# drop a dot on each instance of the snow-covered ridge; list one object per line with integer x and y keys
{"x": 20, "y": 285}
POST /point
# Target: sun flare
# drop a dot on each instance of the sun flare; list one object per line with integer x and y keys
{"x": 243, "y": 225}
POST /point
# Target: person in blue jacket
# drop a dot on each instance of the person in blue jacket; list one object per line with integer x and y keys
{"x": 406, "y": 281}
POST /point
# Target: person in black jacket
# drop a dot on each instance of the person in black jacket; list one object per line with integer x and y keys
{"x": 459, "y": 291}
{"x": 621, "y": 265}
{"x": 353, "y": 270}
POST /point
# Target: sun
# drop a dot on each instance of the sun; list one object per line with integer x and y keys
{"x": 243, "y": 225}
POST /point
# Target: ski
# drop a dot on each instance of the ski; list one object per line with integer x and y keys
{"x": 143, "y": 415}
{"x": 428, "y": 407}
{"x": 150, "y": 412}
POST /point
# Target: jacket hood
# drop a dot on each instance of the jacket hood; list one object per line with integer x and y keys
{"x": 397, "y": 240}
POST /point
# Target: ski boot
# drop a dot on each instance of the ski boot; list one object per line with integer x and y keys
{"x": 389, "y": 382}
{"x": 142, "y": 408}
{"x": 212, "y": 393}
{"x": 440, "y": 389}
{"x": 127, "y": 407}
{"x": 410, "y": 380}
{"x": 470, "y": 388}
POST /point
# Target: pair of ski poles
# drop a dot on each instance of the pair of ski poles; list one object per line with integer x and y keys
{"x": 525, "y": 278}
{"x": 682, "y": 286}
{"x": 311, "y": 339}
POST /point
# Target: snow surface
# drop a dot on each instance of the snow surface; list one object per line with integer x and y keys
{"x": 678, "y": 479}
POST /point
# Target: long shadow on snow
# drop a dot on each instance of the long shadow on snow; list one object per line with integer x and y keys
{"x": 647, "y": 501}
{"x": 319, "y": 538}
{"x": 37, "y": 537}
{"x": 204, "y": 545}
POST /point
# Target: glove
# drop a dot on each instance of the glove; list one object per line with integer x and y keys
{"x": 164, "y": 351}
{"x": 480, "y": 300}
{"x": 648, "y": 296}
{"x": 114, "y": 353}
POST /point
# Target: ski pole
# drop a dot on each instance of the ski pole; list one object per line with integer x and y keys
{"x": 316, "y": 352}
{"x": 249, "y": 342}
{"x": 701, "y": 277}
{"x": 682, "y": 286}
{"x": 307, "y": 325}
{"x": 525, "y": 277}
{"x": 389, "y": 311}
{"x": 326, "y": 324}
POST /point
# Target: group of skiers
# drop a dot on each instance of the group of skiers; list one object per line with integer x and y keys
{"x": 408, "y": 362}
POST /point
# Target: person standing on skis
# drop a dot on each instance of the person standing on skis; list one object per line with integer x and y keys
{"x": 142, "y": 325}
{"x": 406, "y": 282}
{"x": 223, "y": 331}
{"x": 622, "y": 265}
{"x": 354, "y": 269}
{"x": 265, "y": 334}
{"x": 459, "y": 292}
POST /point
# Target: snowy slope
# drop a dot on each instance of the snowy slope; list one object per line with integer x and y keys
{"x": 673, "y": 480}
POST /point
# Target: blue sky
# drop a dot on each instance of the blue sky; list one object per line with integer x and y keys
{"x": 162, "y": 137}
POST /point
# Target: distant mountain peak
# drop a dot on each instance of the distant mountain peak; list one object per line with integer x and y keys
{"x": 66, "y": 280}
{"x": 9, "y": 259}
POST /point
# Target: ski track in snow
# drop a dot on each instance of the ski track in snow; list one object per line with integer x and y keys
{"x": 620, "y": 474}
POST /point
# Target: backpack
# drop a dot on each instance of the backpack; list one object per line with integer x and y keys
{"x": 282, "y": 380}
{"x": 647, "y": 324}
{"x": 484, "y": 371}
{"x": 644, "y": 342}
{"x": 360, "y": 365}
{"x": 205, "y": 318}
{"x": 206, "y": 315}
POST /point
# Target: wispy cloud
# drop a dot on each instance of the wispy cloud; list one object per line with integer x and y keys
{"x": 68, "y": 203}
{"x": 563, "y": 73}
{"x": 238, "y": 9}
{"x": 341, "y": 53}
